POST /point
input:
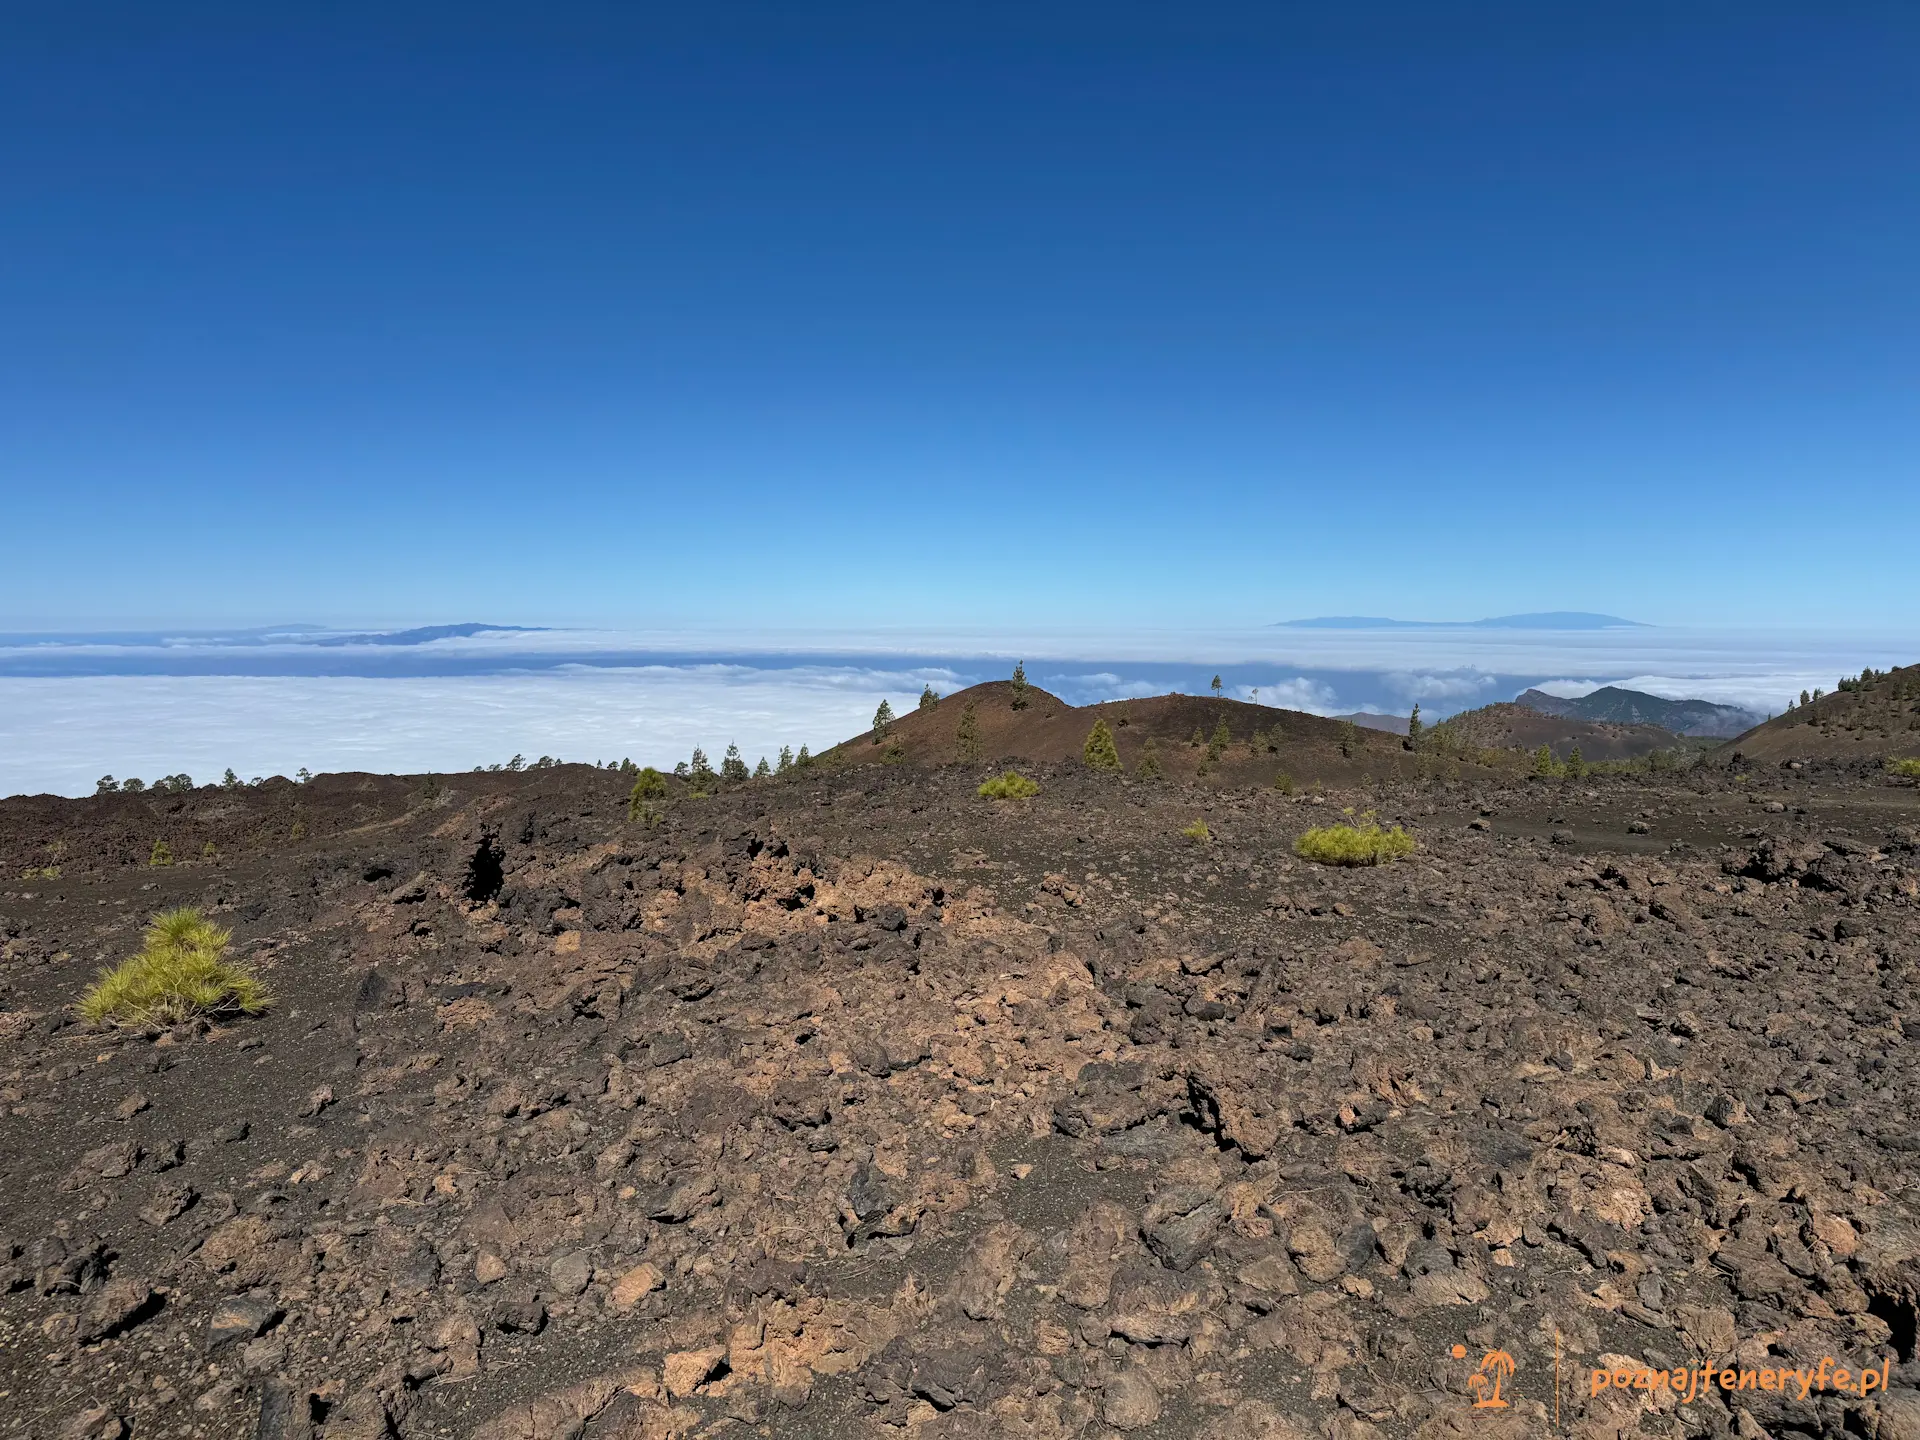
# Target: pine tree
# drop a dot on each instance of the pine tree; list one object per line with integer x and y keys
{"x": 1216, "y": 687}
{"x": 786, "y": 760}
{"x": 762, "y": 770}
{"x": 882, "y": 718}
{"x": 1543, "y": 761}
{"x": 966, "y": 735}
{"x": 928, "y": 699}
{"x": 732, "y": 767}
{"x": 303, "y": 775}
{"x": 1349, "y": 738}
{"x": 1414, "y": 727}
{"x": 802, "y": 760}
{"x": 107, "y": 785}
{"x": 1576, "y": 767}
{"x": 1149, "y": 766}
{"x": 230, "y": 780}
{"x": 700, "y": 772}
{"x": 1222, "y": 737}
{"x": 1019, "y": 683}
{"x": 1100, "y": 752}
{"x": 161, "y": 855}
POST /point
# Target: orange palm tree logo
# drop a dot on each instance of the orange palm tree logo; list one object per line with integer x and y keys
{"x": 1495, "y": 1367}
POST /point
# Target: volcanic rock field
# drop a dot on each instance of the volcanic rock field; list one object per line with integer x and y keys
{"x": 849, "y": 1104}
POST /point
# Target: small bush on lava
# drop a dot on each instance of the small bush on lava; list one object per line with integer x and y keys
{"x": 1010, "y": 786}
{"x": 181, "y": 972}
{"x": 1363, "y": 844}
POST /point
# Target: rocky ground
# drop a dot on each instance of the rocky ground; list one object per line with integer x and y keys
{"x": 851, "y": 1105}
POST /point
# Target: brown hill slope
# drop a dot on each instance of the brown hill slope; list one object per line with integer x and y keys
{"x": 1308, "y": 747}
{"x": 1875, "y": 718}
{"x": 1506, "y": 726}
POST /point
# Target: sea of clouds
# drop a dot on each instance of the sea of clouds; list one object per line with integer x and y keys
{"x": 74, "y": 708}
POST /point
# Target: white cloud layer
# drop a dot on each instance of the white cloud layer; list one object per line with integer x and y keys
{"x": 1302, "y": 694}
{"x": 585, "y": 695}
{"x": 61, "y": 735}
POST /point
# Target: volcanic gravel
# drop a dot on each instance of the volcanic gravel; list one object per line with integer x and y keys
{"x": 848, "y": 1104}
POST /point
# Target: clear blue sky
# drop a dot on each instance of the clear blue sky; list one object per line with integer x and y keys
{"x": 908, "y": 313}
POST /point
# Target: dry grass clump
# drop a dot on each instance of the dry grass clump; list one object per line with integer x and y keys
{"x": 1907, "y": 768}
{"x": 1364, "y": 844}
{"x": 1198, "y": 832}
{"x": 1010, "y": 786}
{"x": 181, "y": 972}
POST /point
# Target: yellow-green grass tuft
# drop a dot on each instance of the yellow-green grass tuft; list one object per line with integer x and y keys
{"x": 1198, "y": 832}
{"x": 1010, "y": 786}
{"x": 1363, "y": 844}
{"x": 1908, "y": 767}
{"x": 181, "y": 972}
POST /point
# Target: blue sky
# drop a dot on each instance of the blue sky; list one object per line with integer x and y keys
{"x": 915, "y": 315}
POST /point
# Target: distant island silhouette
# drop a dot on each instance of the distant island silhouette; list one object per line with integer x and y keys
{"x": 1542, "y": 620}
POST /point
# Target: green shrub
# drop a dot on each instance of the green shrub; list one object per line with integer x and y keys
{"x": 181, "y": 972}
{"x": 1283, "y": 782}
{"x": 642, "y": 800}
{"x": 133, "y": 786}
{"x": 1100, "y": 752}
{"x": 1363, "y": 844}
{"x": 1907, "y": 768}
{"x": 966, "y": 735}
{"x": 161, "y": 854}
{"x": 1149, "y": 766}
{"x": 1198, "y": 833}
{"x": 1010, "y": 786}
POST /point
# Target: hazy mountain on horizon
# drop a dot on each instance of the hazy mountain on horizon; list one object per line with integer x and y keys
{"x": 1611, "y": 705}
{"x": 1539, "y": 620}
